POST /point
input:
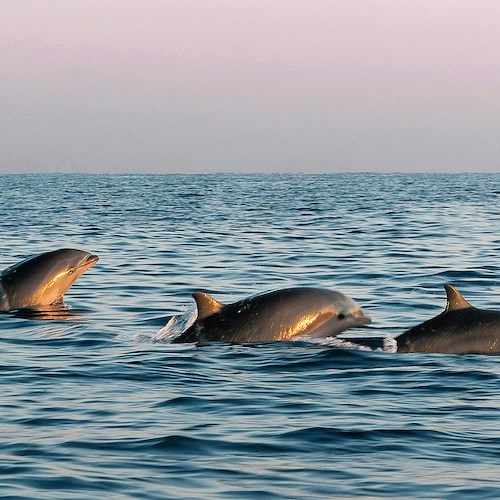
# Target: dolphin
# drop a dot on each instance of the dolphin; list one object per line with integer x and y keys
{"x": 42, "y": 281}
{"x": 459, "y": 329}
{"x": 278, "y": 315}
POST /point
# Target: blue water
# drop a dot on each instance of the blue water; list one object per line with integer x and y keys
{"x": 101, "y": 404}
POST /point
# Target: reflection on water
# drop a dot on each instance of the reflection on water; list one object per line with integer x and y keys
{"x": 59, "y": 313}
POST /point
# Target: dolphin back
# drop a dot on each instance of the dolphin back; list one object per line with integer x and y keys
{"x": 459, "y": 329}
{"x": 272, "y": 316}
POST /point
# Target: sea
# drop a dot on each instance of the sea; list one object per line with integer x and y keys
{"x": 101, "y": 404}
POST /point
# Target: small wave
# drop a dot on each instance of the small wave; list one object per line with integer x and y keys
{"x": 182, "y": 444}
{"x": 174, "y": 327}
{"x": 379, "y": 344}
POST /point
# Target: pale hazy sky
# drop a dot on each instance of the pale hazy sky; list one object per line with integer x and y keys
{"x": 249, "y": 85}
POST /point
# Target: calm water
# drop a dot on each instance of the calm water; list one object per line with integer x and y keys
{"x": 101, "y": 404}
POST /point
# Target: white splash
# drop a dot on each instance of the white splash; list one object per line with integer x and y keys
{"x": 377, "y": 344}
{"x": 175, "y": 326}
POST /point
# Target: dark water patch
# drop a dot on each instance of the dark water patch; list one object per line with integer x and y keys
{"x": 176, "y": 446}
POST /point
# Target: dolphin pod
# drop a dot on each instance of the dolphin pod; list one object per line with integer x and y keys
{"x": 278, "y": 315}
{"x": 317, "y": 313}
{"x": 459, "y": 329}
{"x": 42, "y": 281}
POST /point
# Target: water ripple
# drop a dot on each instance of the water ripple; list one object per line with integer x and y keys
{"x": 100, "y": 403}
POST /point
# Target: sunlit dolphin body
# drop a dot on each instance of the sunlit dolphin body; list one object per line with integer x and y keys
{"x": 278, "y": 315}
{"x": 459, "y": 329}
{"x": 43, "y": 280}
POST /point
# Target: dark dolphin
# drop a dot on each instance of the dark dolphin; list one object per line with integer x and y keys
{"x": 459, "y": 329}
{"x": 278, "y": 315}
{"x": 42, "y": 281}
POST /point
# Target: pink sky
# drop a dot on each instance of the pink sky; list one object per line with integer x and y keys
{"x": 250, "y": 85}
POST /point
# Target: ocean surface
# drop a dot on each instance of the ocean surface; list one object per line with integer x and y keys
{"x": 102, "y": 405}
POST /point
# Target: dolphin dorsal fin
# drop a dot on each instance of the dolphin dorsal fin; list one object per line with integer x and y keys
{"x": 206, "y": 304}
{"x": 455, "y": 299}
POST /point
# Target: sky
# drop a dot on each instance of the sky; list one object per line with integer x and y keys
{"x": 250, "y": 85}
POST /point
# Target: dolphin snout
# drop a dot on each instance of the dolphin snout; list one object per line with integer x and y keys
{"x": 89, "y": 261}
{"x": 360, "y": 317}
{"x": 364, "y": 320}
{"x": 92, "y": 259}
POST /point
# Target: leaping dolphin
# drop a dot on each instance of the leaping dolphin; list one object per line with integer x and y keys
{"x": 459, "y": 329}
{"x": 278, "y": 315}
{"x": 43, "y": 280}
